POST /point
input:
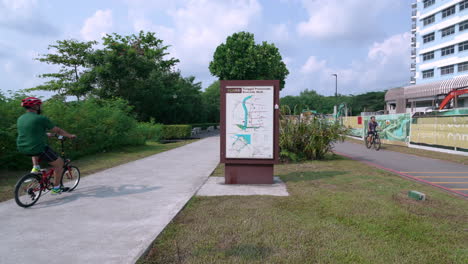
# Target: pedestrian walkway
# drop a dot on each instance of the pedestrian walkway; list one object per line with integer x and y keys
{"x": 443, "y": 174}
{"x": 112, "y": 216}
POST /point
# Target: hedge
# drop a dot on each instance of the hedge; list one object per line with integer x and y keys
{"x": 176, "y": 132}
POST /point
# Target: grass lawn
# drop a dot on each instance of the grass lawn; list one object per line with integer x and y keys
{"x": 93, "y": 163}
{"x": 338, "y": 211}
{"x": 420, "y": 152}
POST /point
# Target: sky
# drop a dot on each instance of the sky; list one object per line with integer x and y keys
{"x": 365, "y": 42}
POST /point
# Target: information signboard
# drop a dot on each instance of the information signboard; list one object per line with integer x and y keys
{"x": 249, "y": 122}
{"x": 249, "y": 130}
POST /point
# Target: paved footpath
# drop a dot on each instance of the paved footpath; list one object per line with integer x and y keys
{"x": 443, "y": 174}
{"x": 112, "y": 216}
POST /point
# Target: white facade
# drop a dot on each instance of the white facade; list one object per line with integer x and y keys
{"x": 440, "y": 40}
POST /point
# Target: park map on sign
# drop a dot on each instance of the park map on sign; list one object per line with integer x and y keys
{"x": 249, "y": 122}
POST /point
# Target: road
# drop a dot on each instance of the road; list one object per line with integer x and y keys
{"x": 447, "y": 175}
{"x": 113, "y": 216}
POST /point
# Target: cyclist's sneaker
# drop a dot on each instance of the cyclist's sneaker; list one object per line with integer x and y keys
{"x": 36, "y": 170}
{"x": 56, "y": 191}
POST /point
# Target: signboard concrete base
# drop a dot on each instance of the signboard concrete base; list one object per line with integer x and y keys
{"x": 248, "y": 173}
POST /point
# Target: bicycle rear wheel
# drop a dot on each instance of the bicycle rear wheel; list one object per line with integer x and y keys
{"x": 28, "y": 190}
{"x": 70, "y": 177}
{"x": 377, "y": 144}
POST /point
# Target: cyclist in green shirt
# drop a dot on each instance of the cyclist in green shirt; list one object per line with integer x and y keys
{"x": 31, "y": 141}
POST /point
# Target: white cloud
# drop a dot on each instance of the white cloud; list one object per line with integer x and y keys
{"x": 24, "y": 16}
{"x": 385, "y": 66}
{"x": 96, "y": 26}
{"x": 345, "y": 19}
{"x": 280, "y": 33}
{"x": 198, "y": 27}
{"x": 313, "y": 65}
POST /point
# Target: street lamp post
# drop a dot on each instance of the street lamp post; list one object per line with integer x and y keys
{"x": 335, "y": 108}
{"x": 336, "y": 84}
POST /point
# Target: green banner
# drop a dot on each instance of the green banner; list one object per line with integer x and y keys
{"x": 394, "y": 127}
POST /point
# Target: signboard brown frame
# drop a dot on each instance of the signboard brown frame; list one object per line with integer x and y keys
{"x": 249, "y": 171}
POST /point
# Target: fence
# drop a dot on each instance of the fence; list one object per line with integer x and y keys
{"x": 444, "y": 129}
{"x": 448, "y": 129}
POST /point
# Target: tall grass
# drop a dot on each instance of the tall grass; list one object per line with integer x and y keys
{"x": 307, "y": 139}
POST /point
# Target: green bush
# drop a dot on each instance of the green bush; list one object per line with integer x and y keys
{"x": 307, "y": 139}
{"x": 100, "y": 125}
{"x": 176, "y": 131}
{"x": 150, "y": 131}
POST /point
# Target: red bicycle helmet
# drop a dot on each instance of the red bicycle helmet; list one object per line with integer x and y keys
{"x": 30, "y": 101}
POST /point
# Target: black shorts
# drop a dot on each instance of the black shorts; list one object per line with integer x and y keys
{"x": 48, "y": 155}
{"x": 370, "y": 133}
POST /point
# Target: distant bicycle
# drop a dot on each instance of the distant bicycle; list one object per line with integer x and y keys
{"x": 29, "y": 188}
{"x": 375, "y": 141}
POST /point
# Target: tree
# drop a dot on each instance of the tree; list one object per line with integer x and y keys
{"x": 71, "y": 56}
{"x": 310, "y": 99}
{"x": 126, "y": 62}
{"x": 211, "y": 102}
{"x": 241, "y": 59}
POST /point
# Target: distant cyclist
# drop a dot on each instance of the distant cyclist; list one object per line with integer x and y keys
{"x": 31, "y": 141}
{"x": 372, "y": 129}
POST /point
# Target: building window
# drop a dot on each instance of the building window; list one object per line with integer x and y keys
{"x": 448, "y": 11}
{"x": 428, "y": 74}
{"x": 429, "y": 20}
{"x": 446, "y": 70}
{"x": 428, "y": 3}
{"x": 463, "y": 5}
{"x": 462, "y": 67}
{"x": 463, "y": 25}
{"x": 428, "y": 56}
{"x": 448, "y": 31}
{"x": 448, "y": 50}
{"x": 463, "y": 46}
{"x": 428, "y": 37}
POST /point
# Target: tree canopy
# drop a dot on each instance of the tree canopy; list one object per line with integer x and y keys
{"x": 71, "y": 56}
{"x": 241, "y": 59}
{"x": 311, "y": 100}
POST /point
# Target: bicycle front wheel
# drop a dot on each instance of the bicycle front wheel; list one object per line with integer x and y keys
{"x": 377, "y": 144}
{"x": 70, "y": 177}
{"x": 28, "y": 190}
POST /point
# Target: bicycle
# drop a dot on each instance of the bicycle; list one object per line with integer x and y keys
{"x": 375, "y": 141}
{"x": 29, "y": 188}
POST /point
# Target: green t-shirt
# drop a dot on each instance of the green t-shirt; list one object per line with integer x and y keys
{"x": 32, "y": 130}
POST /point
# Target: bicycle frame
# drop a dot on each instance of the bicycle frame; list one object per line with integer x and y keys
{"x": 45, "y": 179}
{"x": 47, "y": 174}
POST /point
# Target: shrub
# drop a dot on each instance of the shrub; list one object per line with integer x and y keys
{"x": 176, "y": 131}
{"x": 150, "y": 131}
{"x": 307, "y": 139}
{"x": 100, "y": 125}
